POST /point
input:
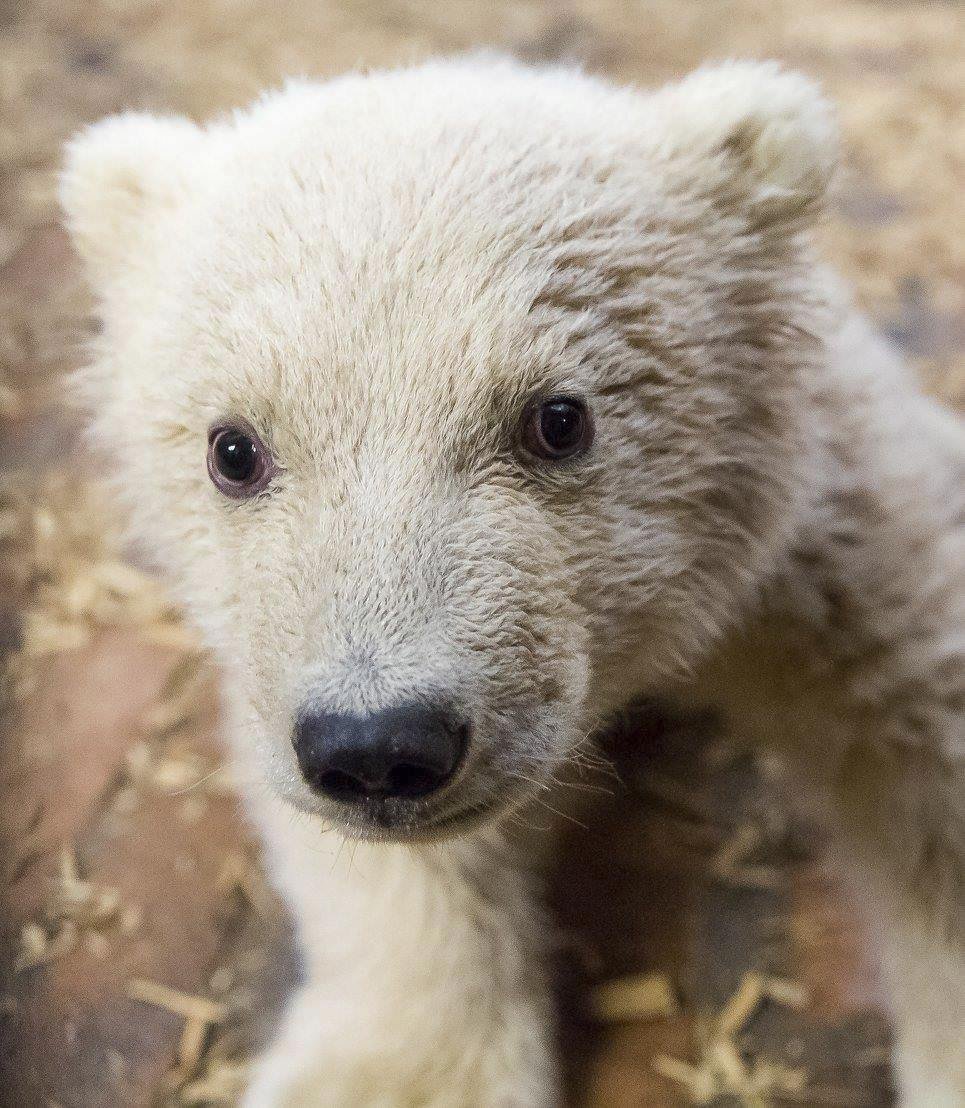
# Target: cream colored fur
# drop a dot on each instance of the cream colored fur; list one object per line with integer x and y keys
{"x": 378, "y": 273}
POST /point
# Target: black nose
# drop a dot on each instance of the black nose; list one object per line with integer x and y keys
{"x": 406, "y": 752}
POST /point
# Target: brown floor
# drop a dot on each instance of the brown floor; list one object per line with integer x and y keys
{"x": 123, "y": 863}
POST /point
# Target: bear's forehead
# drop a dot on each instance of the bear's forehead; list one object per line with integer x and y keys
{"x": 319, "y": 279}
{"x": 405, "y": 326}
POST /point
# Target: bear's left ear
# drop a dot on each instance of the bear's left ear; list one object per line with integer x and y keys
{"x": 773, "y": 133}
{"x": 119, "y": 176}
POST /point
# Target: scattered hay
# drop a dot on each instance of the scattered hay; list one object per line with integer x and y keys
{"x": 638, "y": 997}
{"x": 59, "y": 553}
{"x": 791, "y": 994}
{"x": 731, "y": 863}
{"x": 174, "y": 769}
{"x": 242, "y": 874}
{"x": 81, "y": 902}
{"x": 38, "y": 946}
{"x": 76, "y": 909}
{"x": 223, "y": 1083}
{"x": 181, "y": 1004}
{"x": 207, "y": 1069}
{"x": 723, "y": 1069}
{"x": 741, "y": 1006}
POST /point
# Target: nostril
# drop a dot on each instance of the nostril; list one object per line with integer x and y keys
{"x": 339, "y": 785}
{"x": 405, "y": 780}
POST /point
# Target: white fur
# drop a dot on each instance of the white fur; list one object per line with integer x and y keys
{"x": 378, "y": 273}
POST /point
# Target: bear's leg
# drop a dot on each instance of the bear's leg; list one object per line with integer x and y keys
{"x": 424, "y": 985}
{"x": 895, "y": 799}
{"x": 902, "y": 811}
{"x": 927, "y": 982}
{"x": 856, "y": 677}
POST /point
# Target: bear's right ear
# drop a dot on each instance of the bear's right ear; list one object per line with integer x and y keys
{"x": 771, "y": 132}
{"x": 119, "y": 175}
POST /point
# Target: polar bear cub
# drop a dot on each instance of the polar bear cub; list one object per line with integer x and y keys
{"x": 466, "y": 403}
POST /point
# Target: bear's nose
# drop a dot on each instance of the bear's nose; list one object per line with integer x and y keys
{"x": 404, "y": 752}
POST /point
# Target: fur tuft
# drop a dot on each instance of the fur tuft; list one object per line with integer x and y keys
{"x": 119, "y": 175}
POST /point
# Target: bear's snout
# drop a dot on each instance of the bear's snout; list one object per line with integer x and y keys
{"x": 407, "y": 752}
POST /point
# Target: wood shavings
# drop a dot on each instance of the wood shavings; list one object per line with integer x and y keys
{"x": 744, "y": 841}
{"x": 117, "y": 1065}
{"x": 11, "y": 403}
{"x": 208, "y": 1069}
{"x": 130, "y": 920}
{"x": 200, "y": 1074}
{"x": 33, "y": 947}
{"x": 176, "y": 635}
{"x": 727, "y": 1064}
{"x": 754, "y": 988}
{"x": 730, "y": 862}
{"x": 789, "y": 993}
{"x": 239, "y": 873}
{"x": 75, "y": 909}
{"x": 741, "y": 1006}
{"x": 222, "y": 979}
{"x": 83, "y": 903}
{"x": 181, "y": 1004}
{"x": 38, "y": 948}
{"x": 175, "y": 770}
{"x": 60, "y": 545}
{"x": 191, "y": 1046}
{"x": 222, "y": 1084}
{"x": 721, "y": 1072}
{"x": 722, "y": 1069}
{"x": 171, "y": 715}
{"x": 178, "y": 700}
{"x": 43, "y": 634}
{"x": 641, "y": 996}
{"x": 698, "y": 1081}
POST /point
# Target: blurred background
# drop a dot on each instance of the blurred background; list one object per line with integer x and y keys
{"x": 704, "y": 950}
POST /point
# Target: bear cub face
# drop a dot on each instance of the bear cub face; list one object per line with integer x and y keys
{"x": 461, "y": 403}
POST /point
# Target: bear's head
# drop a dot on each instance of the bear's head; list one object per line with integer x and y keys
{"x": 462, "y": 403}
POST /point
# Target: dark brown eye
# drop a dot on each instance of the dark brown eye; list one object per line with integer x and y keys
{"x": 557, "y": 428}
{"x": 238, "y": 462}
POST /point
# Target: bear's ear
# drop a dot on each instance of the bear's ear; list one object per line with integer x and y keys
{"x": 773, "y": 131}
{"x": 119, "y": 175}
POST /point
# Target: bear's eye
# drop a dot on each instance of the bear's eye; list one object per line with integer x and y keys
{"x": 559, "y": 427}
{"x": 238, "y": 461}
